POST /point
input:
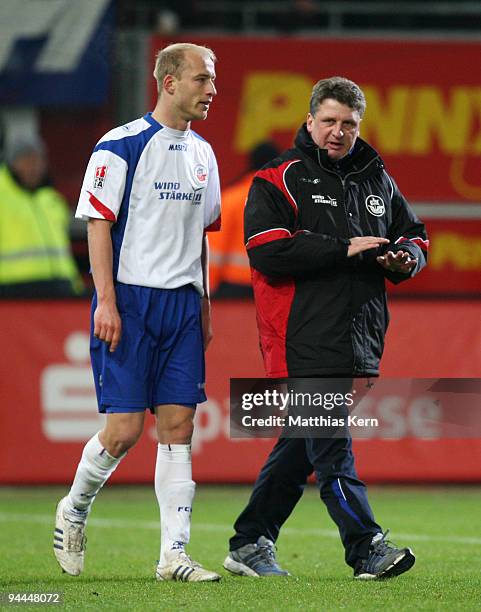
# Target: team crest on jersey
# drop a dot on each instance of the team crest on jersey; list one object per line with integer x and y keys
{"x": 100, "y": 174}
{"x": 200, "y": 172}
{"x": 375, "y": 205}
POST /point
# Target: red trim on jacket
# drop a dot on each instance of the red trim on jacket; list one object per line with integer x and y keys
{"x": 422, "y": 244}
{"x": 273, "y": 306}
{"x": 268, "y": 236}
{"x": 276, "y": 176}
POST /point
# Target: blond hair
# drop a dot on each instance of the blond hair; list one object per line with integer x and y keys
{"x": 171, "y": 60}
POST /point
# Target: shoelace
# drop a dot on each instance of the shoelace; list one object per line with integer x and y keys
{"x": 267, "y": 553}
{"x": 187, "y": 559}
{"x": 382, "y": 545}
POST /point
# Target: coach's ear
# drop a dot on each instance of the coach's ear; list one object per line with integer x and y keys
{"x": 309, "y": 122}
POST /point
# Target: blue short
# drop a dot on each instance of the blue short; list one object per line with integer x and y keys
{"x": 160, "y": 357}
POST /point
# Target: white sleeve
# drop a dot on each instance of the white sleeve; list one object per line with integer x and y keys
{"x": 212, "y": 197}
{"x": 103, "y": 186}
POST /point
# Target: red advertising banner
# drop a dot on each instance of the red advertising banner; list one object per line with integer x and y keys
{"x": 423, "y": 115}
{"x": 454, "y": 260}
{"x": 423, "y": 103}
{"x": 48, "y": 406}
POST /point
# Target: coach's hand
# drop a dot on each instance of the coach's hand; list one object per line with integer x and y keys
{"x": 401, "y": 261}
{"x": 107, "y": 323}
{"x": 364, "y": 243}
{"x": 206, "y": 322}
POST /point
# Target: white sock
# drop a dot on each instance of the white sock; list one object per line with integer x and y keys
{"x": 93, "y": 471}
{"x": 175, "y": 491}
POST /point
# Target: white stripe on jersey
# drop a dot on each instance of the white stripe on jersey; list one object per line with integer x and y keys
{"x": 161, "y": 189}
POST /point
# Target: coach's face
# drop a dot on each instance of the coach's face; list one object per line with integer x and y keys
{"x": 334, "y": 127}
{"x": 194, "y": 88}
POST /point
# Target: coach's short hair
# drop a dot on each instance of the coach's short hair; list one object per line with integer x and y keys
{"x": 171, "y": 59}
{"x": 338, "y": 88}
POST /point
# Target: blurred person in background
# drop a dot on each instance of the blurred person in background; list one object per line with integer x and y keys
{"x": 325, "y": 225}
{"x": 35, "y": 255}
{"x": 230, "y": 273}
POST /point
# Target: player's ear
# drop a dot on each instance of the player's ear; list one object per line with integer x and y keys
{"x": 168, "y": 84}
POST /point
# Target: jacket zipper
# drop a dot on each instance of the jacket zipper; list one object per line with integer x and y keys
{"x": 343, "y": 183}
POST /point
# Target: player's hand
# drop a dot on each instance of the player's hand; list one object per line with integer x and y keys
{"x": 365, "y": 243}
{"x": 107, "y": 324}
{"x": 401, "y": 261}
{"x": 206, "y": 322}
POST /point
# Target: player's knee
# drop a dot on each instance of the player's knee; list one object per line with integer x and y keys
{"x": 123, "y": 443}
{"x": 121, "y": 432}
{"x": 120, "y": 441}
{"x": 178, "y": 431}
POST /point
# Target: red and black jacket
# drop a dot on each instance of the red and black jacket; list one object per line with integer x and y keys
{"x": 319, "y": 312}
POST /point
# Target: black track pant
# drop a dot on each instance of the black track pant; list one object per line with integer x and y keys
{"x": 281, "y": 483}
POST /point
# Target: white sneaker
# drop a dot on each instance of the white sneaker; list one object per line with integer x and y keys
{"x": 69, "y": 542}
{"x": 184, "y": 569}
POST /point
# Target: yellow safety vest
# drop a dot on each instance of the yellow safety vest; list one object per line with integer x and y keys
{"x": 34, "y": 240}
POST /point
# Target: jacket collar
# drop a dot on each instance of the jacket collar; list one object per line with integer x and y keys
{"x": 361, "y": 158}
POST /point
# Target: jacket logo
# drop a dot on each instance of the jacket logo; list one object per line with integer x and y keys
{"x": 308, "y": 180}
{"x": 324, "y": 199}
{"x": 375, "y": 205}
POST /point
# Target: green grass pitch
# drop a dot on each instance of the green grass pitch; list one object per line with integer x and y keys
{"x": 442, "y": 525}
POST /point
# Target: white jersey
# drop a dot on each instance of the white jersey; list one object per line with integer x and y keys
{"x": 161, "y": 189}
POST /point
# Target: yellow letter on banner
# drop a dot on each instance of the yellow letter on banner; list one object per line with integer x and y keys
{"x": 384, "y": 123}
{"x": 271, "y": 102}
{"x": 456, "y": 251}
{"x": 434, "y": 119}
{"x": 476, "y": 100}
